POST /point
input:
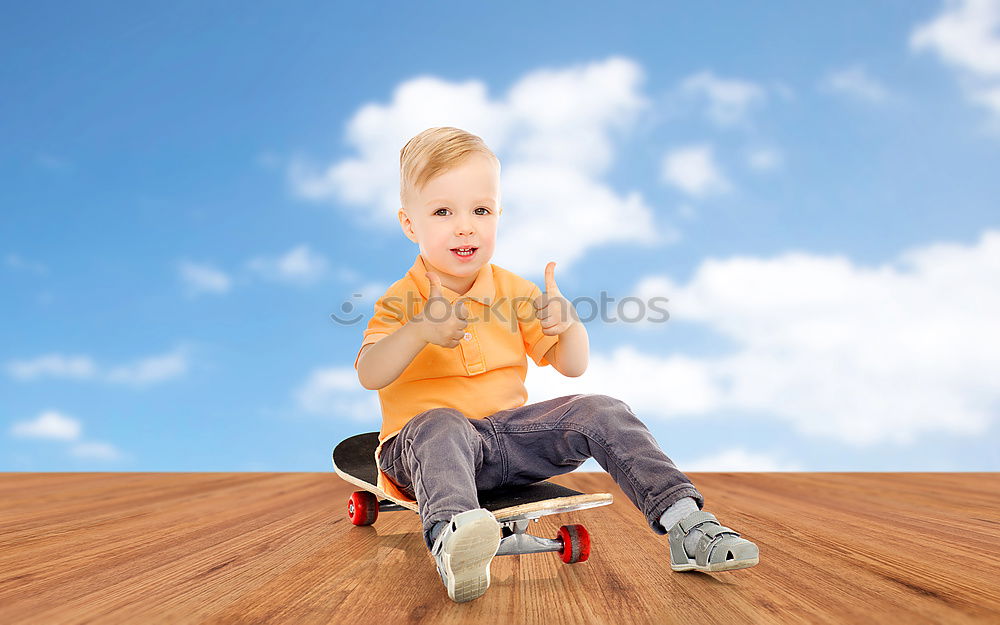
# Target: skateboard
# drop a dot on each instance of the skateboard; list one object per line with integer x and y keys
{"x": 513, "y": 507}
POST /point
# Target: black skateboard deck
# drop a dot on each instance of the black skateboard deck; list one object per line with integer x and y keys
{"x": 354, "y": 461}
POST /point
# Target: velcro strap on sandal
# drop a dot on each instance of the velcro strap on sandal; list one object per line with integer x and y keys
{"x": 696, "y": 518}
{"x": 711, "y": 530}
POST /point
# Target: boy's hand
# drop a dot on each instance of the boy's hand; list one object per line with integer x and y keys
{"x": 440, "y": 322}
{"x": 554, "y": 311}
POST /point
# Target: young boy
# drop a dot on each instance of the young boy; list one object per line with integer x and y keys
{"x": 446, "y": 349}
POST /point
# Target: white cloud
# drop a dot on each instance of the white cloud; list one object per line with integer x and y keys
{"x": 565, "y": 117}
{"x": 736, "y": 459}
{"x": 95, "y": 450}
{"x": 203, "y": 278}
{"x": 53, "y": 365}
{"x": 151, "y": 370}
{"x": 764, "y": 159}
{"x": 851, "y": 353}
{"x": 729, "y": 101}
{"x": 370, "y": 291}
{"x": 684, "y": 385}
{"x": 693, "y": 170}
{"x": 546, "y": 199}
{"x": 300, "y": 265}
{"x": 336, "y": 392}
{"x": 139, "y": 373}
{"x": 988, "y": 97}
{"x": 49, "y": 424}
{"x": 54, "y": 425}
{"x": 855, "y": 82}
{"x": 553, "y": 132}
{"x": 966, "y": 35}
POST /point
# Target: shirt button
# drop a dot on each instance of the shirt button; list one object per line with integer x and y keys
{"x": 468, "y": 336}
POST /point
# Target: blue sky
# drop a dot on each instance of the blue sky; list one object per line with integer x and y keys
{"x": 189, "y": 192}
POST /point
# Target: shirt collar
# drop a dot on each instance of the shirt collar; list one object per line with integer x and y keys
{"x": 482, "y": 290}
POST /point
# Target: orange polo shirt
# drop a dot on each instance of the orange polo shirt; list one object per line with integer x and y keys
{"x": 483, "y": 375}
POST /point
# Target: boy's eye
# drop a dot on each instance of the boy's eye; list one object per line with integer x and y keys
{"x": 438, "y": 211}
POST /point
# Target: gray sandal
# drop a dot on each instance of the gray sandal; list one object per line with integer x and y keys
{"x": 719, "y": 548}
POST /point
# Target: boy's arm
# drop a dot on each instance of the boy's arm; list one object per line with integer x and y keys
{"x": 381, "y": 362}
{"x": 554, "y": 316}
{"x": 571, "y": 352}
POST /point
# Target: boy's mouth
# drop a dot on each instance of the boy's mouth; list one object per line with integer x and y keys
{"x": 464, "y": 253}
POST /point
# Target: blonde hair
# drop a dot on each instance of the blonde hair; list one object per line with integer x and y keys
{"x": 432, "y": 152}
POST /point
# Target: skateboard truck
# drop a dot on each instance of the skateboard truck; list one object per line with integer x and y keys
{"x": 572, "y": 543}
{"x": 516, "y": 540}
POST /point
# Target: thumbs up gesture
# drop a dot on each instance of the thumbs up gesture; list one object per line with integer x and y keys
{"x": 554, "y": 311}
{"x": 441, "y": 322}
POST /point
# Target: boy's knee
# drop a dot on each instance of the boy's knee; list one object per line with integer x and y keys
{"x": 440, "y": 430}
{"x": 439, "y": 420}
{"x": 605, "y": 413}
{"x": 603, "y": 406}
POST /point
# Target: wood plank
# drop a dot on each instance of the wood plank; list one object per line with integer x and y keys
{"x": 278, "y": 547}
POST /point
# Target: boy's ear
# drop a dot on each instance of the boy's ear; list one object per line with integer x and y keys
{"x": 406, "y": 225}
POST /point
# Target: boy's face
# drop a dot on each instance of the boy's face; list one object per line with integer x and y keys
{"x": 458, "y": 208}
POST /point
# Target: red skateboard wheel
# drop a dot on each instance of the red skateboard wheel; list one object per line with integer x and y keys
{"x": 576, "y": 543}
{"x": 362, "y": 508}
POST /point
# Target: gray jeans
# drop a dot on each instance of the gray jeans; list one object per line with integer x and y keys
{"x": 441, "y": 457}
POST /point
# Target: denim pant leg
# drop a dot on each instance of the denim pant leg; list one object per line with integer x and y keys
{"x": 442, "y": 458}
{"x": 555, "y": 436}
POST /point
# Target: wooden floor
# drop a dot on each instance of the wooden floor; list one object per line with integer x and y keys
{"x": 279, "y": 548}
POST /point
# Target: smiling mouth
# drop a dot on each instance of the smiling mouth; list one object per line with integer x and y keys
{"x": 464, "y": 252}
